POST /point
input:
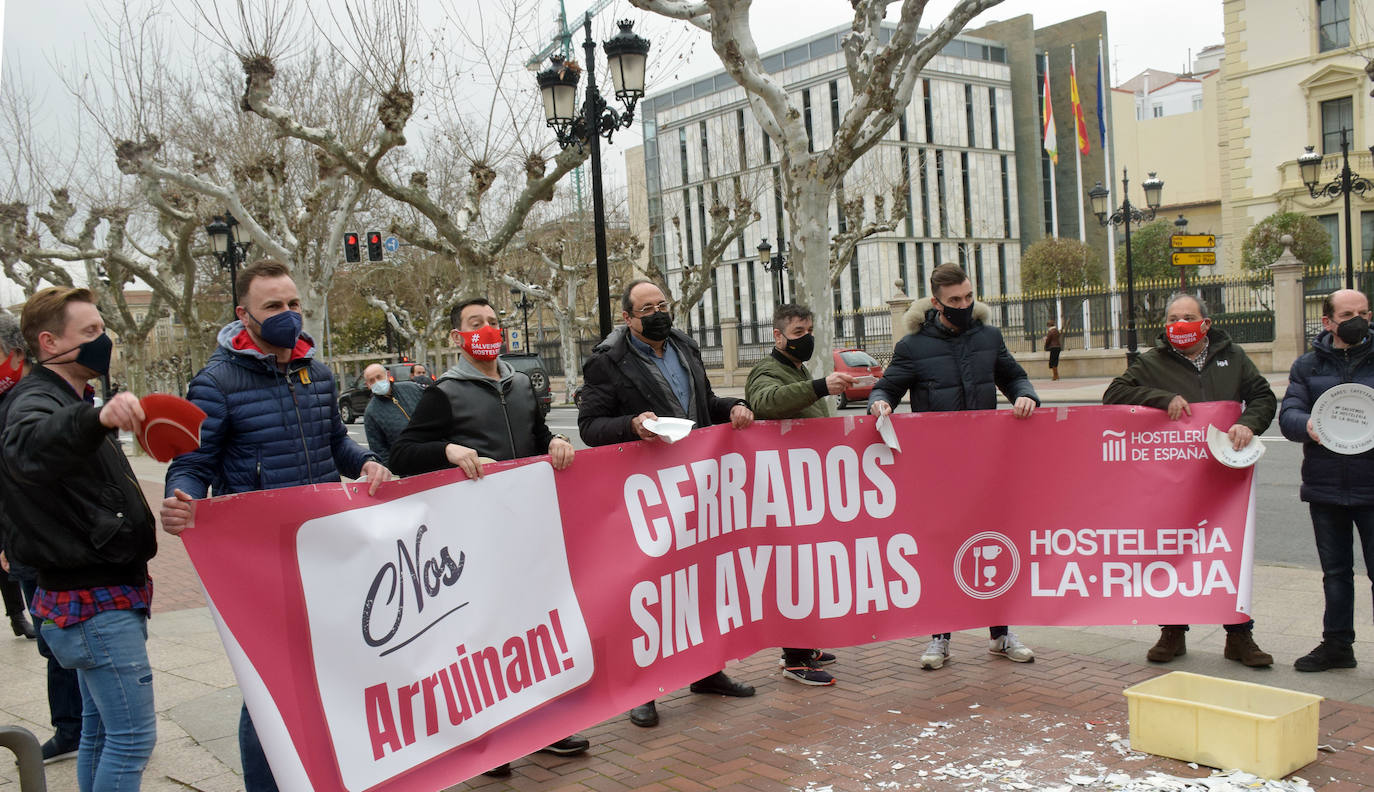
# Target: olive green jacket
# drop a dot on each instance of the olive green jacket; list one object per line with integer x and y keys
{"x": 1227, "y": 375}
{"x": 778, "y": 389}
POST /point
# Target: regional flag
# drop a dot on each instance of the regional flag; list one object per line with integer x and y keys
{"x": 1080, "y": 126}
{"x": 1051, "y": 144}
{"x": 1101, "y": 99}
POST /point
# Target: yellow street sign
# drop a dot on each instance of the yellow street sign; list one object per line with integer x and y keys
{"x": 1194, "y": 259}
{"x": 1193, "y": 241}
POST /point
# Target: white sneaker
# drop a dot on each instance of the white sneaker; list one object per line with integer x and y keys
{"x": 936, "y": 653}
{"x": 1010, "y": 647}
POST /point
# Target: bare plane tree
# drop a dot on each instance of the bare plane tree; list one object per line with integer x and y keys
{"x": 882, "y": 76}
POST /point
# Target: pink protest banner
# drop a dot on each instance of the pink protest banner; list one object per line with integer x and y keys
{"x": 414, "y": 639}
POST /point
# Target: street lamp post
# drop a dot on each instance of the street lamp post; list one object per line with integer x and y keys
{"x": 224, "y": 240}
{"x": 625, "y": 54}
{"x": 776, "y": 265}
{"x": 1345, "y": 183}
{"x": 1125, "y": 216}
{"x": 1181, "y": 227}
{"x": 524, "y": 305}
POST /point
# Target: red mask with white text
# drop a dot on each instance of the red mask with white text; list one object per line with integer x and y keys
{"x": 484, "y": 344}
{"x": 10, "y": 372}
{"x": 1183, "y": 335}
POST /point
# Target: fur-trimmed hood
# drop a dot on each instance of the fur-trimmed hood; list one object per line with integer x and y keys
{"x": 915, "y": 316}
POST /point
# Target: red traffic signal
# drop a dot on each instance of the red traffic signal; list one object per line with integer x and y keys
{"x": 351, "y": 254}
{"x": 374, "y": 246}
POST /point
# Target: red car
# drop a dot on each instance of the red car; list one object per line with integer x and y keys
{"x": 862, "y": 367}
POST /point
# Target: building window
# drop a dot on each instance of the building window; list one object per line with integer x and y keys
{"x": 1006, "y": 198}
{"x": 922, "y": 164}
{"x": 1197, "y": 102}
{"x": 968, "y": 197}
{"x": 739, "y": 127}
{"x": 925, "y": 103}
{"x": 1336, "y": 115}
{"x": 705, "y": 152}
{"x": 906, "y": 179}
{"x": 687, "y": 227}
{"x": 767, "y": 148}
{"x": 682, "y": 151}
{"x": 1366, "y": 236}
{"x": 914, "y": 289}
{"x": 1332, "y": 226}
{"x": 834, "y": 109}
{"x": 942, "y": 200}
{"x": 1157, "y": 111}
{"x": 968, "y": 113}
{"x": 806, "y": 119}
{"x": 1002, "y": 275}
{"x": 992, "y": 113}
{"x": 901, "y": 266}
{"x": 1333, "y": 24}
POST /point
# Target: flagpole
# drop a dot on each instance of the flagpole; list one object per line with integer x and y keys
{"x": 1104, "y": 111}
{"x": 1078, "y": 170}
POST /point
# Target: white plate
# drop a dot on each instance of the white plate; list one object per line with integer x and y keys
{"x": 670, "y": 429}
{"x": 1344, "y": 418}
{"x": 1220, "y": 446}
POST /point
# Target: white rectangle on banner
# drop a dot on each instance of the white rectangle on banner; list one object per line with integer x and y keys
{"x": 455, "y": 610}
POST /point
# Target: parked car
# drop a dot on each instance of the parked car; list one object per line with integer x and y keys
{"x": 533, "y": 367}
{"x": 353, "y": 401}
{"x": 857, "y": 363}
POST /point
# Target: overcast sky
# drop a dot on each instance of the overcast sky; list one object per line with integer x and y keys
{"x": 1159, "y": 34}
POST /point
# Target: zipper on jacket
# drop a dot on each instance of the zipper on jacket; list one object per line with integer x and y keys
{"x": 510, "y": 434}
{"x": 300, "y": 428}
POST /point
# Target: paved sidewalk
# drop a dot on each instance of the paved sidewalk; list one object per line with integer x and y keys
{"x": 980, "y": 723}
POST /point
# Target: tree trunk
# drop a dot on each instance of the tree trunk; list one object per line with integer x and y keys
{"x": 567, "y": 349}
{"x": 808, "y": 206}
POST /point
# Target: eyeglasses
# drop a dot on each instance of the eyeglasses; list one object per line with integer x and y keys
{"x": 648, "y": 310}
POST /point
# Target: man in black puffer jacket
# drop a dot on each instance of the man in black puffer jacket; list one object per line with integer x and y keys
{"x": 1338, "y": 488}
{"x": 952, "y": 361}
{"x": 480, "y": 410}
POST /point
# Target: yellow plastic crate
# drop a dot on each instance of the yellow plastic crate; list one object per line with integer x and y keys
{"x": 1225, "y": 724}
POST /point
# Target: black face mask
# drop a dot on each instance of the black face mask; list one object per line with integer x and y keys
{"x": 961, "y": 318}
{"x": 656, "y": 325}
{"x": 94, "y": 354}
{"x": 802, "y": 348}
{"x": 1353, "y": 330}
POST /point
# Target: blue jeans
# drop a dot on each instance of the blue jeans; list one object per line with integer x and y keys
{"x": 64, "y": 692}
{"x": 118, "y": 724}
{"x": 1334, "y": 527}
{"x": 257, "y": 774}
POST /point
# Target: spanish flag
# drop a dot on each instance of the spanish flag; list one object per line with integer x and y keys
{"x": 1080, "y": 126}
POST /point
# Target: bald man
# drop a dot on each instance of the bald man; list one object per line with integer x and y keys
{"x": 388, "y": 411}
{"x": 1338, "y": 488}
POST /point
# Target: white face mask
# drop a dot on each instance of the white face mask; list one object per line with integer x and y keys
{"x": 381, "y": 387}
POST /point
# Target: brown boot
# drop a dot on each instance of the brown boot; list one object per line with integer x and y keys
{"x": 1241, "y": 646}
{"x": 1171, "y": 644}
{"x": 1055, "y": 372}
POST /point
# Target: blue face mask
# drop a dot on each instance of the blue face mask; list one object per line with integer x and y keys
{"x": 381, "y": 387}
{"x": 280, "y": 330}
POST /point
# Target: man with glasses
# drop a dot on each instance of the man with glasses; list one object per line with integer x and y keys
{"x": 1338, "y": 488}
{"x": 640, "y": 372}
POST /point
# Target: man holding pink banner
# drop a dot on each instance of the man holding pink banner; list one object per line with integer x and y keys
{"x": 952, "y": 361}
{"x": 641, "y": 371}
{"x": 481, "y": 410}
{"x": 1193, "y": 362}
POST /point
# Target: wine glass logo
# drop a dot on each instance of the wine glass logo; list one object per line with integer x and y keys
{"x": 995, "y": 565}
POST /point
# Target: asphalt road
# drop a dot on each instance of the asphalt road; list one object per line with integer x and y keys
{"x": 1284, "y": 530}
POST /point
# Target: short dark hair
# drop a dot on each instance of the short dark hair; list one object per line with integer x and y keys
{"x": 946, "y": 275}
{"x": 46, "y": 312}
{"x": 262, "y": 268}
{"x": 455, "y": 317}
{"x": 789, "y": 311}
{"x": 417, "y": 365}
{"x": 625, "y": 304}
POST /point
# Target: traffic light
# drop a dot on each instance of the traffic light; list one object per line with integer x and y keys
{"x": 374, "y": 246}
{"x": 351, "y": 248}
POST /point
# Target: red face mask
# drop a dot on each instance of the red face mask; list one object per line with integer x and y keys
{"x": 484, "y": 344}
{"x": 1183, "y": 335}
{"x": 10, "y": 372}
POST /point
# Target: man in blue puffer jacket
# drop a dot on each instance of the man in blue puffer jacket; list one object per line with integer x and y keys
{"x": 1338, "y": 488}
{"x": 271, "y": 422}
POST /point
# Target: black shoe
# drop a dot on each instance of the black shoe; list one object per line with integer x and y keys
{"x": 722, "y": 685}
{"x": 645, "y": 715}
{"x": 21, "y": 627}
{"x": 500, "y": 771}
{"x": 56, "y": 752}
{"x": 1327, "y": 655}
{"x": 571, "y": 745}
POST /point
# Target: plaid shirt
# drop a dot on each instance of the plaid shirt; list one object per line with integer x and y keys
{"x": 65, "y": 608}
